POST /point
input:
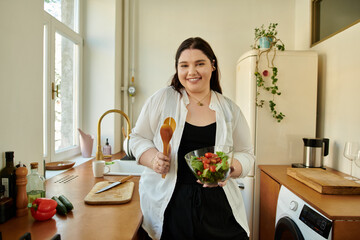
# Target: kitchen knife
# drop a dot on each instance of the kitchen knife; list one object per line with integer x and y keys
{"x": 114, "y": 184}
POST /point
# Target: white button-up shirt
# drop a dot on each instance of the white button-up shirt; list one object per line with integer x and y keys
{"x": 231, "y": 129}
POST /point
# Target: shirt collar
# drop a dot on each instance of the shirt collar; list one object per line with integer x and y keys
{"x": 214, "y": 101}
{"x": 185, "y": 97}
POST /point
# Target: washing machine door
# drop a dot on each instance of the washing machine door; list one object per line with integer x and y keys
{"x": 286, "y": 229}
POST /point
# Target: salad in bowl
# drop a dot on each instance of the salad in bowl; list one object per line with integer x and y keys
{"x": 210, "y": 165}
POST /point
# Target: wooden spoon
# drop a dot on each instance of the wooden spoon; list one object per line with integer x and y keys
{"x": 166, "y": 132}
{"x": 171, "y": 122}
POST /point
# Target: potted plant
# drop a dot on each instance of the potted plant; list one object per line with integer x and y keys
{"x": 265, "y": 38}
{"x": 266, "y": 41}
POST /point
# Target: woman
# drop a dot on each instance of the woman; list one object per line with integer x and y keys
{"x": 177, "y": 206}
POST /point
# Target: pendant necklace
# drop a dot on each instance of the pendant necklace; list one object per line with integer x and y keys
{"x": 199, "y": 102}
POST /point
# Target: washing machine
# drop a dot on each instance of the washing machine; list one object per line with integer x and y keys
{"x": 297, "y": 220}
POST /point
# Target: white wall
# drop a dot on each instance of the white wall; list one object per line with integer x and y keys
{"x": 228, "y": 26}
{"x": 339, "y": 84}
{"x": 100, "y": 67}
{"x": 21, "y": 48}
{"x": 339, "y": 97}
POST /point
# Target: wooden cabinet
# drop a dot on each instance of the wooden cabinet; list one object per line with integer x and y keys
{"x": 343, "y": 210}
{"x": 269, "y": 191}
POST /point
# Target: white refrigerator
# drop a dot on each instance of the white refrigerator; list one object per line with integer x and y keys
{"x": 274, "y": 142}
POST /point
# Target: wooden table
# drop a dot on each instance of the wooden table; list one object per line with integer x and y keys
{"x": 85, "y": 221}
{"x": 343, "y": 210}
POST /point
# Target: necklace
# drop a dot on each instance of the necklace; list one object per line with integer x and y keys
{"x": 199, "y": 102}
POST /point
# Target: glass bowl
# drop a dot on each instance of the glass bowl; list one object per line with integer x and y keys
{"x": 210, "y": 164}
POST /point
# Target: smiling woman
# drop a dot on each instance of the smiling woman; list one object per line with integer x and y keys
{"x": 177, "y": 206}
{"x": 194, "y": 71}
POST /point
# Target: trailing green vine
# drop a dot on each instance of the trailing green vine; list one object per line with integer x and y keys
{"x": 264, "y": 84}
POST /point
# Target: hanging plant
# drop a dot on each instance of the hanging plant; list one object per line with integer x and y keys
{"x": 268, "y": 38}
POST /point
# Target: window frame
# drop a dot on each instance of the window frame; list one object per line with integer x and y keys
{"x": 315, "y": 25}
{"x": 51, "y": 27}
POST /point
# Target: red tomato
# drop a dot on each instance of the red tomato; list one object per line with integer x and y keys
{"x": 206, "y": 165}
{"x": 213, "y": 160}
{"x": 198, "y": 173}
{"x": 212, "y": 168}
{"x": 206, "y": 160}
{"x": 208, "y": 155}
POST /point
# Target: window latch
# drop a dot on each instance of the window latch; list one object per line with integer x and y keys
{"x": 53, "y": 91}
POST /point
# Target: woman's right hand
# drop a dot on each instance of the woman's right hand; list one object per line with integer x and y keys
{"x": 161, "y": 163}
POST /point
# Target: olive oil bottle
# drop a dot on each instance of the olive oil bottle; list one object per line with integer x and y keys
{"x": 35, "y": 187}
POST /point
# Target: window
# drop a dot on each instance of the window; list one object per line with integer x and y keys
{"x": 65, "y": 11}
{"x": 330, "y": 17}
{"x": 62, "y": 78}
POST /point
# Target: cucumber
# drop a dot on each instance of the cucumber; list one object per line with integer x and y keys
{"x": 66, "y": 202}
{"x": 60, "y": 208}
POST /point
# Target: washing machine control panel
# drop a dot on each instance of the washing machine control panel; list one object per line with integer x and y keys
{"x": 315, "y": 221}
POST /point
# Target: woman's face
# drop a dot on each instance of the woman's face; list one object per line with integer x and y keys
{"x": 194, "y": 71}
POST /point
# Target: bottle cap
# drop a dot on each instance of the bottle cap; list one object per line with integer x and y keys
{"x": 34, "y": 165}
{"x": 107, "y": 141}
{"x": 9, "y": 155}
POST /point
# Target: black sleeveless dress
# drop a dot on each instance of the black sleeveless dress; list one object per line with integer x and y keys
{"x": 195, "y": 212}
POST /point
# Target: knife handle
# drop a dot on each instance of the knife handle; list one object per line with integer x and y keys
{"x": 126, "y": 178}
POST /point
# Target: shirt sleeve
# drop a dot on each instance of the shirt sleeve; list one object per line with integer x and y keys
{"x": 243, "y": 148}
{"x": 142, "y": 135}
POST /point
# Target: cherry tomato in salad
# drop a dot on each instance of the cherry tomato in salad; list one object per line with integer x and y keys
{"x": 205, "y": 160}
{"x": 208, "y": 155}
{"x": 198, "y": 173}
{"x": 212, "y": 168}
{"x": 206, "y": 165}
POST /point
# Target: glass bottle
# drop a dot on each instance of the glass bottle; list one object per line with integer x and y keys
{"x": 35, "y": 187}
{"x": 8, "y": 177}
{"x": 6, "y": 206}
{"x": 107, "y": 148}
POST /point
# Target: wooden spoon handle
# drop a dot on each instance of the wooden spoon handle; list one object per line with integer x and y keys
{"x": 166, "y": 133}
{"x": 165, "y": 152}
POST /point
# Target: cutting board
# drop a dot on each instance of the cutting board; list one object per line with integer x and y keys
{"x": 323, "y": 181}
{"x": 116, "y": 195}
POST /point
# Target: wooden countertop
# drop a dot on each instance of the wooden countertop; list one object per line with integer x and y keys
{"x": 85, "y": 221}
{"x": 335, "y": 207}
